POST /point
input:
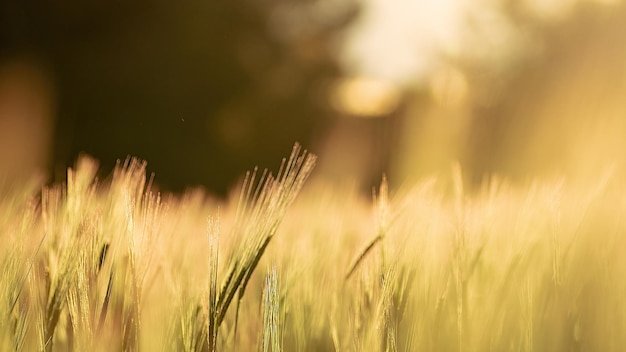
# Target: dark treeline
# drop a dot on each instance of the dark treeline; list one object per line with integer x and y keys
{"x": 202, "y": 90}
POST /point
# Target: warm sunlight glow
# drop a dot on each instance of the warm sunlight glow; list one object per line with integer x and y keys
{"x": 365, "y": 97}
{"x": 556, "y": 9}
{"x": 449, "y": 87}
{"x": 549, "y": 9}
{"x": 398, "y": 39}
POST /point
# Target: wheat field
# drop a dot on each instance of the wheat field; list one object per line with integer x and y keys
{"x": 112, "y": 265}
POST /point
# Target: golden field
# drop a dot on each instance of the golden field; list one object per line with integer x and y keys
{"x": 112, "y": 265}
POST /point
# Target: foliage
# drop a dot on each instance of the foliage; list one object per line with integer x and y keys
{"x": 210, "y": 80}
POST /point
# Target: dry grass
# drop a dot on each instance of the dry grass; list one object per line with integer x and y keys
{"x": 111, "y": 265}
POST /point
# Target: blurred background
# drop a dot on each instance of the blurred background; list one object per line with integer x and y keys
{"x": 205, "y": 90}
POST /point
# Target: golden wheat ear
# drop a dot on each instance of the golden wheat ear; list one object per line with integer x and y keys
{"x": 262, "y": 206}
